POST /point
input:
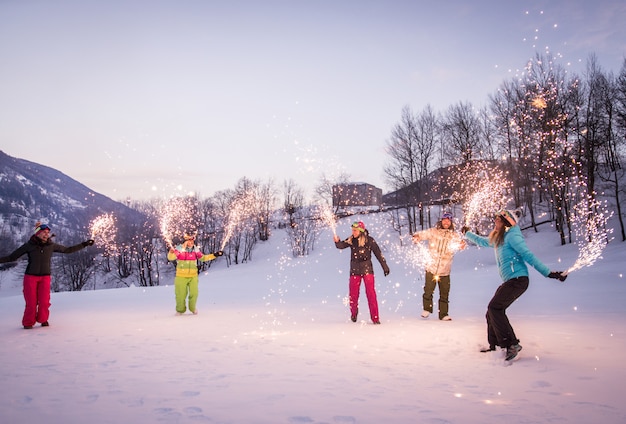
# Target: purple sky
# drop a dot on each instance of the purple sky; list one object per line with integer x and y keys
{"x": 155, "y": 98}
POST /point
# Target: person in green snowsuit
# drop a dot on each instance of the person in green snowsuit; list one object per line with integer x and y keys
{"x": 187, "y": 256}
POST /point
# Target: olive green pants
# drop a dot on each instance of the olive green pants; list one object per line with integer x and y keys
{"x": 444, "y": 292}
{"x": 183, "y": 287}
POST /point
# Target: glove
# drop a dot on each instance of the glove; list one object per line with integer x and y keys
{"x": 558, "y": 275}
{"x": 386, "y": 271}
{"x": 88, "y": 243}
{"x": 464, "y": 229}
{"x": 218, "y": 253}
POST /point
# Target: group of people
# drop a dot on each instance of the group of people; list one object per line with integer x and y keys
{"x": 511, "y": 252}
{"x": 37, "y": 277}
{"x": 506, "y": 238}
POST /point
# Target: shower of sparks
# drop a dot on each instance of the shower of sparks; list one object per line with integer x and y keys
{"x": 589, "y": 218}
{"x": 242, "y": 208}
{"x": 328, "y": 217}
{"x": 539, "y": 102}
{"x": 456, "y": 244}
{"x": 482, "y": 188}
{"x": 419, "y": 256}
{"x": 415, "y": 254}
{"x": 103, "y": 230}
{"x": 485, "y": 201}
{"x": 177, "y": 216}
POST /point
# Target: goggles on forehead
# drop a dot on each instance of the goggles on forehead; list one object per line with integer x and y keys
{"x": 504, "y": 214}
{"x": 507, "y": 217}
{"x": 358, "y": 225}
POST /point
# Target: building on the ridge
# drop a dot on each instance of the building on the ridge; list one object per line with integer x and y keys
{"x": 356, "y": 194}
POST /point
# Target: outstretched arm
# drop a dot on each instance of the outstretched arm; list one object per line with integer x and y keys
{"x": 478, "y": 240}
{"x": 14, "y": 256}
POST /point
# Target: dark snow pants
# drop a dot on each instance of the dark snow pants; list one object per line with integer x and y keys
{"x": 444, "y": 292}
{"x": 499, "y": 330}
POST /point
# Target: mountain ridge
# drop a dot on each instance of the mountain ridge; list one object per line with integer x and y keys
{"x": 31, "y": 192}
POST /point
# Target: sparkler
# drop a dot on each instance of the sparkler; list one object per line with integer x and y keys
{"x": 418, "y": 255}
{"x": 589, "y": 218}
{"x": 483, "y": 188}
{"x": 176, "y": 216}
{"x": 239, "y": 210}
{"x": 328, "y": 217}
{"x": 103, "y": 230}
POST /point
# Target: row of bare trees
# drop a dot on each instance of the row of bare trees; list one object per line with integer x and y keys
{"x": 232, "y": 220}
{"x": 561, "y": 137}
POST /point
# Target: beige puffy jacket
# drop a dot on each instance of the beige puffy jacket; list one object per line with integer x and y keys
{"x": 442, "y": 245}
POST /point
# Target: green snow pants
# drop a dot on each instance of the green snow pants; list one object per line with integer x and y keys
{"x": 184, "y": 286}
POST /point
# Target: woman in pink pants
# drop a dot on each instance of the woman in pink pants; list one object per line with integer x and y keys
{"x": 361, "y": 268}
{"x": 39, "y": 249}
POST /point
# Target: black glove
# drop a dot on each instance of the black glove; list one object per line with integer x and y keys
{"x": 464, "y": 229}
{"x": 88, "y": 243}
{"x": 218, "y": 253}
{"x": 386, "y": 271}
{"x": 558, "y": 275}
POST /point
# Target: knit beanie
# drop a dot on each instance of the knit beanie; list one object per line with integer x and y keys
{"x": 39, "y": 227}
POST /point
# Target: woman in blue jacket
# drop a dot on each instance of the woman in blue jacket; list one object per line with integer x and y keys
{"x": 512, "y": 254}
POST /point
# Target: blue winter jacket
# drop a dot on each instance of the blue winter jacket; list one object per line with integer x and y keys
{"x": 512, "y": 254}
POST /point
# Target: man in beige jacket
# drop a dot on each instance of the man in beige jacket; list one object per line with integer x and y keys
{"x": 443, "y": 243}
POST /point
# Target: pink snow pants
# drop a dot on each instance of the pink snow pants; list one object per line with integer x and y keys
{"x": 37, "y": 297}
{"x": 370, "y": 292}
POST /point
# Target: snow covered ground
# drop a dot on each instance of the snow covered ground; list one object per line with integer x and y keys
{"x": 273, "y": 343}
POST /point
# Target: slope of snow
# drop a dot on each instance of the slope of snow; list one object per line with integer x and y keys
{"x": 273, "y": 343}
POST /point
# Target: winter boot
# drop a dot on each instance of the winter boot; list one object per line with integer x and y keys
{"x": 512, "y": 351}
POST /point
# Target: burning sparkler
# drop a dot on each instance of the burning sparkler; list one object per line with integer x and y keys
{"x": 103, "y": 230}
{"x": 176, "y": 216}
{"x": 416, "y": 254}
{"x": 589, "y": 218}
{"x": 240, "y": 209}
{"x": 328, "y": 217}
{"x": 483, "y": 188}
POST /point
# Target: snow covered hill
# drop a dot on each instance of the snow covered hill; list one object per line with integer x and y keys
{"x": 273, "y": 343}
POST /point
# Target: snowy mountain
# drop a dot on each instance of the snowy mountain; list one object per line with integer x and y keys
{"x": 30, "y": 192}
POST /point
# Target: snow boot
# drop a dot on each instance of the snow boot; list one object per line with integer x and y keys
{"x": 512, "y": 351}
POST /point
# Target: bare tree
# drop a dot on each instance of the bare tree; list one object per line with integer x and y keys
{"x": 293, "y": 200}
{"x": 302, "y": 228}
{"x": 461, "y": 133}
{"x": 324, "y": 189}
{"x": 74, "y": 270}
{"x": 612, "y": 170}
{"x": 266, "y": 197}
{"x": 411, "y": 148}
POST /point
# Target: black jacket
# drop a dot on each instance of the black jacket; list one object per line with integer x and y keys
{"x": 361, "y": 257}
{"x": 39, "y": 254}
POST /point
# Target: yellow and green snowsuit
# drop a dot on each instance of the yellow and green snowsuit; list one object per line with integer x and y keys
{"x": 186, "y": 280}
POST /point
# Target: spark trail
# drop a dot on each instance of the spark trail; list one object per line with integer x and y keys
{"x": 589, "y": 218}
{"x": 328, "y": 217}
{"x": 176, "y": 216}
{"x": 103, "y": 230}
{"x": 240, "y": 210}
